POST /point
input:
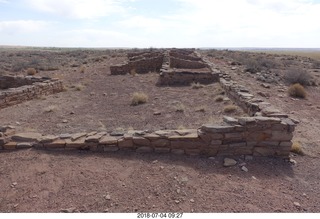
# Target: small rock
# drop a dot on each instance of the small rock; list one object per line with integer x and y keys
{"x": 14, "y": 184}
{"x": 253, "y": 177}
{"x": 72, "y": 113}
{"x": 92, "y": 93}
{"x": 245, "y": 169}
{"x": 106, "y": 210}
{"x": 104, "y": 94}
{"x": 248, "y": 157}
{"x": 211, "y": 158}
{"x": 16, "y": 205}
{"x": 177, "y": 201}
{"x": 265, "y": 85}
{"x": 157, "y": 113}
{"x": 161, "y": 167}
{"x": 64, "y": 121}
{"x": 68, "y": 210}
{"x": 297, "y": 204}
{"x": 107, "y": 197}
{"x": 18, "y": 123}
{"x": 292, "y": 161}
{"x": 155, "y": 161}
{"x": 228, "y": 162}
{"x": 192, "y": 200}
{"x": 304, "y": 194}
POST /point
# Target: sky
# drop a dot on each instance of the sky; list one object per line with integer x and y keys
{"x": 161, "y": 23}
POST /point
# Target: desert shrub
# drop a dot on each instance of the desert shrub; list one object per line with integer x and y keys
{"x": 31, "y": 71}
{"x": 297, "y": 90}
{"x": 218, "y": 98}
{"x": 230, "y": 108}
{"x": 82, "y": 69}
{"x": 18, "y": 66}
{"x": 78, "y": 87}
{"x": 316, "y": 64}
{"x": 296, "y": 148}
{"x": 133, "y": 72}
{"x": 180, "y": 107}
{"x": 49, "y": 109}
{"x": 196, "y": 85}
{"x": 297, "y": 75}
{"x": 139, "y": 98}
{"x": 252, "y": 66}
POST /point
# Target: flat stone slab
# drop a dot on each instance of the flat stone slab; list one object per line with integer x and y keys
{"x": 27, "y": 137}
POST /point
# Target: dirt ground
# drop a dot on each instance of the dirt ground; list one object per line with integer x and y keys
{"x": 80, "y": 181}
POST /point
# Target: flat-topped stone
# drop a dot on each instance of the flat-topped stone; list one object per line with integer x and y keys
{"x": 27, "y": 137}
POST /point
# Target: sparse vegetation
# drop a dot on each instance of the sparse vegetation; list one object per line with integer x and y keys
{"x": 218, "y": 98}
{"x": 133, "y": 72}
{"x": 297, "y": 90}
{"x": 82, "y": 69}
{"x": 197, "y": 85}
{"x": 50, "y": 109}
{"x": 297, "y": 75}
{"x": 296, "y": 148}
{"x": 31, "y": 71}
{"x": 201, "y": 109}
{"x": 139, "y": 98}
{"x": 78, "y": 87}
{"x": 180, "y": 107}
{"x": 230, "y": 108}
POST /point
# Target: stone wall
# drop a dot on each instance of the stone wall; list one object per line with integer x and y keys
{"x": 257, "y": 136}
{"x": 36, "y": 87}
{"x": 186, "y": 77}
{"x": 8, "y": 81}
{"x": 186, "y": 64}
{"x": 141, "y": 63}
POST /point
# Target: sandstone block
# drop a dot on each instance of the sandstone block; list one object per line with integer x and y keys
{"x": 27, "y": 137}
{"x": 10, "y": 146}
{"x": 23, "y": 145}
{"x": 144, "y": 149}
{"x": 236, "y": 135}
{"x": 215, "y": 142}
{"x": 141, "y": 141}
{"x": 65, "y": 136}
{"x": 60, "y": 143}
{"x": 177, "y": 151}
{"x": 77, "y": 136}
{"x": 281, "y": 136}
{"x": 48, "y": 138}
{"x": 192, "y": 152}
{"x": 263, "y": 151}
{"x": 108, "y": 140}
{"x": 110, "y": 148}
{"x": 216, "y": 129}
{"x": 160, "y": 143}
{"x": 258, "y": 136}
{"x": 122, "y": 143}
{"x": 187, "y": 144}
{"x": 79, "y": 143}
{"x": 237, "y": 145}
{"x": 95, "y": 138}
{"x": 229, "y": 120}
{"x": 162, "y": 150}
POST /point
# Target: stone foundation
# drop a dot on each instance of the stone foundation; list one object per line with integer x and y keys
{"x": 20, "y": 89}
{"x": 268, "y": 132}
{"x": 257, "y": 136}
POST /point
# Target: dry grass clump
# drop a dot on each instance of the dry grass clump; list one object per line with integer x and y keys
{"x": 197, "y": 85}
{"x": 139, "y": 98}
{"x": 50, "y": 109}
{"x": 82, "y": 69}
{"x": 218, "y": 98}
{"x": 180, "y": 107}
{"x": 296, "y": 148}
{"x": 297, "y": 90}
{"x": 201, "y": 109}
{"x": 230, "y": 108}
{"x": 31, "y": 71}
{"x": 133, "y": 72}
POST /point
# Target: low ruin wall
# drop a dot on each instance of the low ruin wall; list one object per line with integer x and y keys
{"x": 36, "y": 87}
{"x": 185, "y": 77}
{"x": 257, "y": 136}
{"x": 268, "y": 132}
{"x": 186, "y": 64}
{"x": 183, "y": 56}
{"x": 141, "y": 66}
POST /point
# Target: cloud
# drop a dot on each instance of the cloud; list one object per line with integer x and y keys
{"x": 79, "y": 9}
{"x": 21, "y": 26}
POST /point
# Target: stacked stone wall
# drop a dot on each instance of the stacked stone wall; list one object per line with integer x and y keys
{"x": 36, "y": 87}
{"x": 257, "y": 136}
